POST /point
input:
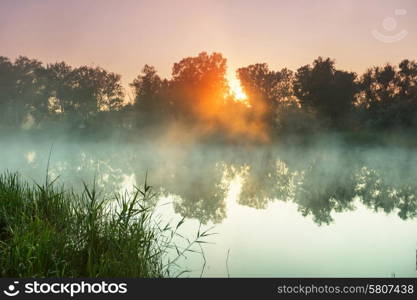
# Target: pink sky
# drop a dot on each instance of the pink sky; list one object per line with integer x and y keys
{"x": 122, "y": 36}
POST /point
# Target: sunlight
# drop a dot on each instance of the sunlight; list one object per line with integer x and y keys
{"x": 30, "y": 157}
{"x": 236, "y": 89}
{"x": 128, "y": 184}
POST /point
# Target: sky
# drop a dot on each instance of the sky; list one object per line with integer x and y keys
{"x": 123, "y": 36}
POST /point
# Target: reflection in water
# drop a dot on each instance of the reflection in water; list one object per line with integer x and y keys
{"x": 30, "y": 157}
{"x": 203, "y": 194}
{"x": 326, "y": 185}
{"x": 381, "y": 194}
{"x": 257, "y": 196}
{"x": 320, "y": 182}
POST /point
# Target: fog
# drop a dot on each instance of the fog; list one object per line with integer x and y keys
{"x": 321, "y": 177}
{"x": 297, "y": 189}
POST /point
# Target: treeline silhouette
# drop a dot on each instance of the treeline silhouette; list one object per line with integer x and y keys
{"x": 315, "y": 97}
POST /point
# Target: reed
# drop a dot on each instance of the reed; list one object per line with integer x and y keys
{"x": 49, "y": 231}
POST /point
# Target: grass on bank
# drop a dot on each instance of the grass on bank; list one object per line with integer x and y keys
{"x": 47, "y": 231}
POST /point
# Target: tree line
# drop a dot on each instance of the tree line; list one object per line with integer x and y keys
{"x": 316, "y": 96}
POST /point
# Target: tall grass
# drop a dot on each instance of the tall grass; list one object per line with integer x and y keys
{"x": 46, "y": 231}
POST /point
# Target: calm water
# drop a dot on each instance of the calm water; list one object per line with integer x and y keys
{"x": 321, "y": 210}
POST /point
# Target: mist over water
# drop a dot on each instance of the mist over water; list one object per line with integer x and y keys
{"x": 322, "y": 208}
{"x": 298, "y": 152}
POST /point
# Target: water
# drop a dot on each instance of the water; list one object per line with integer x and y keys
{"x": 325, "y": 209}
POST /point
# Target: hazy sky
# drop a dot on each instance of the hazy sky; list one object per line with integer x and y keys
{"x": 122, "y": 36}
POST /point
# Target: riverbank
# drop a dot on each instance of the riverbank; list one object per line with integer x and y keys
{"x": 49, "y": 231}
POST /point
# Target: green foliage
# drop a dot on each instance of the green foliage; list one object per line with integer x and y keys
{"x": 272, "y": 91}
{"x": 388, "y": 96}
{"x": 28, "y": 90}
{"x": 327, "y": 91}
{"x": 51, "y": 232}
{"x": 316, "y": 96}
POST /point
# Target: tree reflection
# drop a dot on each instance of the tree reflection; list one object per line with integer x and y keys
{"x": 202, "y": 196}
{"x": 328, "y": 183}
{"x": 320, "y": 183}
{"x": 378, "y": 193}
{"x": 326, "y": 186}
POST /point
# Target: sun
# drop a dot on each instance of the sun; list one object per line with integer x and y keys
{"x": 236, "y": 89}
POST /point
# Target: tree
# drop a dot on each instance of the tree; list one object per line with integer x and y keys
{"x": 199, "y": 86}
{"x": 96, "y": 89}
{"x": 325, "y": 90}
{"x": 151, "y": 95}
{"x": 82, "y": 92}
{"x": 267, "y": 90}
{"x": 59, "y": 88}
{"x": 389, "y": 95}
{"x": 22, "y": 90}
{"x": 8, "y": 89}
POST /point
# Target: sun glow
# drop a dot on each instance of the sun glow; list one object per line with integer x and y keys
{"x": 236, "y": 89}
